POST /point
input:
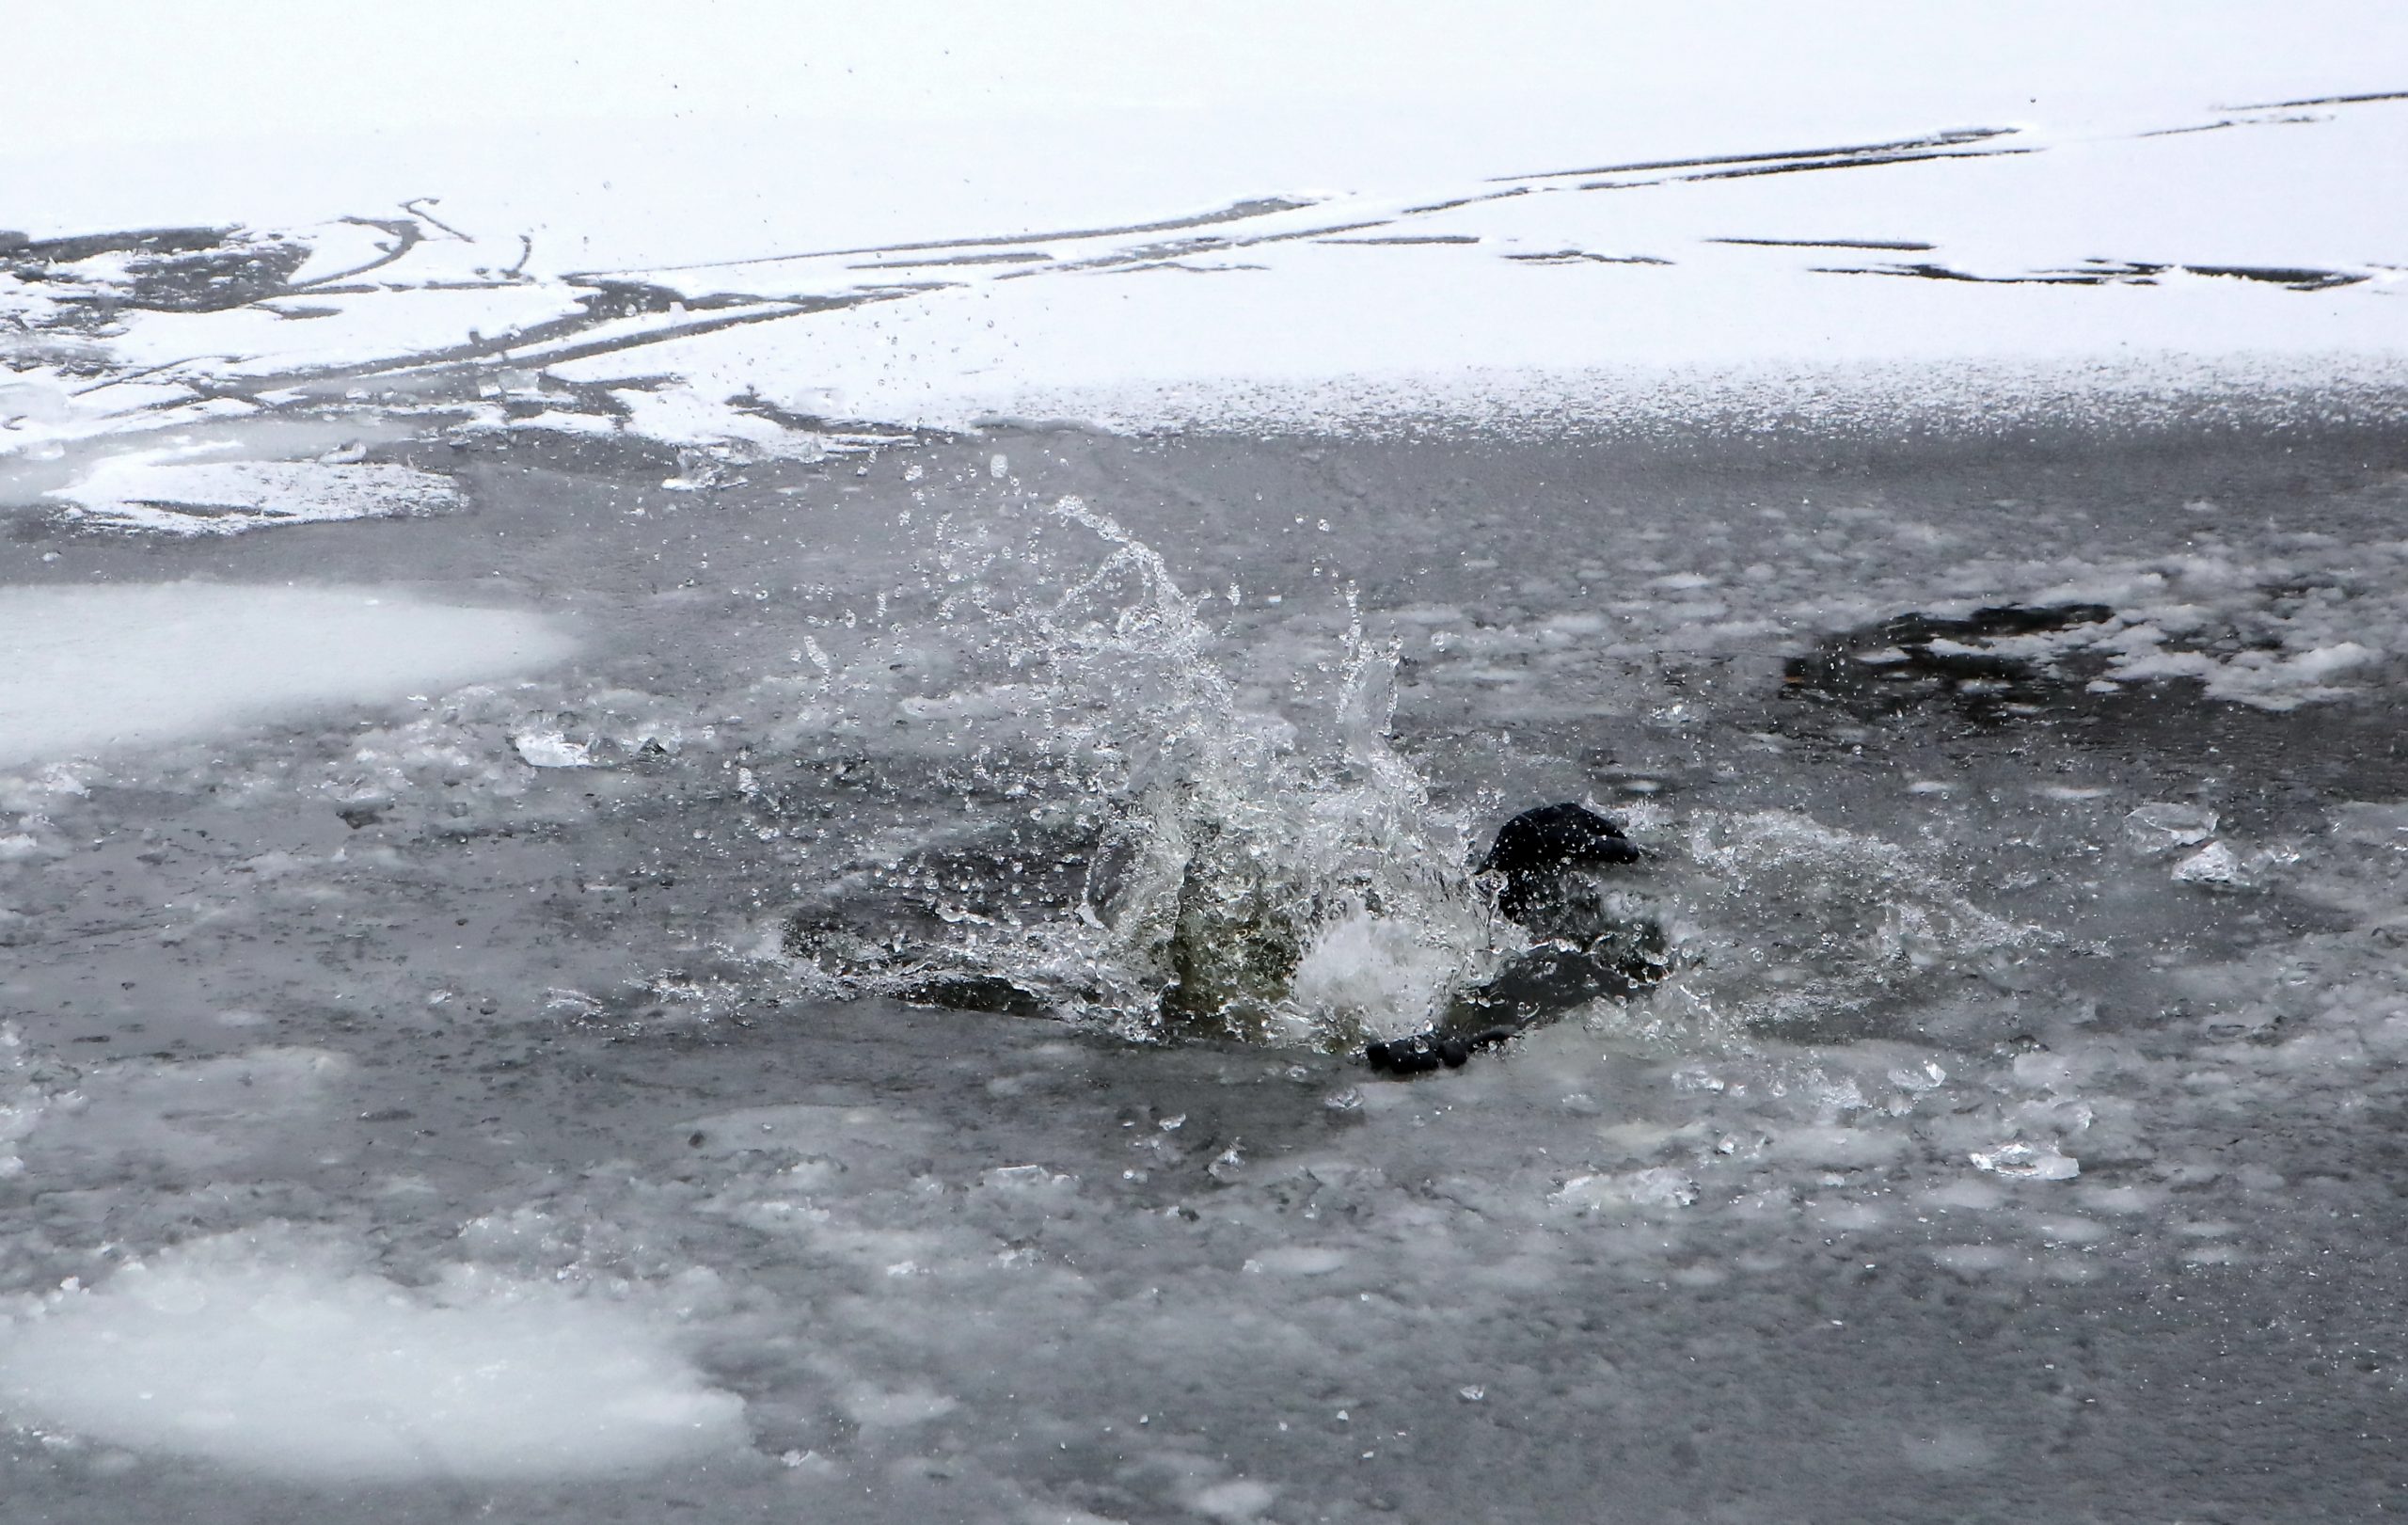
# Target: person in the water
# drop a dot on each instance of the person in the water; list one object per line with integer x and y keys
{"x": 1229, "y": 941}
{"x": 1586, "y": 948}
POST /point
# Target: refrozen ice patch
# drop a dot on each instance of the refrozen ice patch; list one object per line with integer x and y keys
{"x": 280, "y": 1352}
{"x": 140, "y": 491}
{"x": 192, "y": 1115}
{"x": 141, "y": 665}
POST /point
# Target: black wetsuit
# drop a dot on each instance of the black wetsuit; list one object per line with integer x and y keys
{"x": 1585, "y": 952}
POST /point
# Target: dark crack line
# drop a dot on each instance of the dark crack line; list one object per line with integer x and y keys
{"x": 1235, "y": 212}
{"x": 1584, "y": 256}
{"x": 1896, "y": 147}
{"x": 522, "y": 350}
{"x": 1408, "y": 238}
{"x": 2370, "y": 98}
{"x": 1187, "y": 248}
{"x": 1751, "y": 171}
{"x": 407, "y": 234}
{"x": 1015, "y": 258}
{"x": 1899, "y": 245}
{"x": 2119, "y": 273}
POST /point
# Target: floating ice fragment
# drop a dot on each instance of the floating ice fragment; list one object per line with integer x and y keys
{"x": 2323, "y": 661}
{"x": 1295, "y": 1260}
{"x": 877, "y": 1408}
{"x": 282, "y": 1352}
{"x": 1471, "y": 1394}
{"x": 2161, "y": 827}
{"x": 2029, "y": 1162}
{"x": 999, "y": 467}
{"x": 1660, "y": 1186}
{"x": 1228, "y": 1165}
{"x": 1240, "y": 1499}
{"x": 141, "y": 664}
{"x": 149, "y": 490}
{"x": 1027, "y": 1178}
{"x": 550, "y": 748}
{"x": 2214, "y": 866}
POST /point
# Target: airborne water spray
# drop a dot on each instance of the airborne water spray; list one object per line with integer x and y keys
{"x": 1238, "y": 876}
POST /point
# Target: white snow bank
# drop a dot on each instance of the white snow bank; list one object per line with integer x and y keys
{"x": 281, "y": 1354}
{"x": 90, "y": 669}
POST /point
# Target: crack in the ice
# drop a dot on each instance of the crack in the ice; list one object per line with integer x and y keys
{"x": 1850, "y": 154}
{"x": 1898, "y": 246}
{"x": 2113, "y": 273}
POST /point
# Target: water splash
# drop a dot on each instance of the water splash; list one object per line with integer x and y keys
{"x": 1217, "y": 869}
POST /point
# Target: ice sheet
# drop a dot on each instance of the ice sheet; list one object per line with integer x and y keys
{"x": 284, "y": 1353}
{"x": 1788, "y": 211}
{"x": 100, "y": 669}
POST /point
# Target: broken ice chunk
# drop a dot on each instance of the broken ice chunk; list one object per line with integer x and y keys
{"x": 550, "y": 748}
{"x": 2161, "y": 827}
{"x": 1660, "y": 1186}
{"x": 2028, "y": 1162}
{"x": 2214, "y": 866}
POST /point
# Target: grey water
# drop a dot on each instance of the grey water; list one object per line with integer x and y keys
{"x": 2014, "y": 1136}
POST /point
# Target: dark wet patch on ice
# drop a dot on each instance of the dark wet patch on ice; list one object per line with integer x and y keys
{"x": 1585, "y": 257}
{"x": 164, "y": 270}
{"x": 2098, "y": 272}
{"x": 1917, "y": 658}
{"x": 1901, "y": 245}
{"x": 2268, "y": 764}
{"x": 2294, "y": 278}
{"x": 614, "y": 298}
{"x": 85, "y": 246}
{"x": 1407, "y": 238}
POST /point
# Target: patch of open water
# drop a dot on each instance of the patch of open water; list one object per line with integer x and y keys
{"x": 1984, "y": 1155}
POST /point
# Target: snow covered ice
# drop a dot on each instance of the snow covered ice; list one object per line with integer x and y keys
{"x": 604, "y": 957}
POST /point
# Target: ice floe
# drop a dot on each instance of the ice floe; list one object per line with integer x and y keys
{"x": 131, "y": 492}
{"x": 283, "y": 1352}
{"x": 96, "y": 669}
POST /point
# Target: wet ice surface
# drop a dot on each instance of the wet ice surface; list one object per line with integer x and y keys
{"x": 419, "y": 1087}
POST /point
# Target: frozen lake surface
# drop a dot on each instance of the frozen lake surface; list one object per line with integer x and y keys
{"x": 411, "y": 1099}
